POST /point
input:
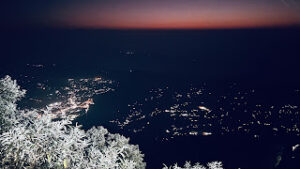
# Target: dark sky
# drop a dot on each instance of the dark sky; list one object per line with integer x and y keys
{"x": 150, "y": 14}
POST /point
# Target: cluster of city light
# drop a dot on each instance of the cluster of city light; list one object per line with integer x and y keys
{"x": 199, "y": 111}
{"x": 70, "y": 97}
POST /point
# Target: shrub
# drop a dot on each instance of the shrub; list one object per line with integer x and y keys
{"x": 31, "y": 140}
{"x": 210, "y": 165}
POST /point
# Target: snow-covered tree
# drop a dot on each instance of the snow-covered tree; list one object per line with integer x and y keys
{"x": 188, "y": 165}
{"x": 31, "y": 140}
{"x": 10, "y": 93}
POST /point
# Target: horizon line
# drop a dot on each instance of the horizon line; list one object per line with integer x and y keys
{"x": 44, "y": 27}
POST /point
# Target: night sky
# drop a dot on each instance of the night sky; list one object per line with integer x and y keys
{"x": 150, "y": 14}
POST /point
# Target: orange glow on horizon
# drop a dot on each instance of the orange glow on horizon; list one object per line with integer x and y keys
{"x": 174, "y": 16}
{"x": 173, "y": 24}
{"x": 166, "y": 26}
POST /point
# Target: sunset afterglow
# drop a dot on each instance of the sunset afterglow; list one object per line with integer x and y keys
{"x": 176, "y": 14}
{"x": 159, "y": 14}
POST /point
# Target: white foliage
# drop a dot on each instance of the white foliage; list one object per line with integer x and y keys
{"x": 210, "y": 165}
{"x": 31, "y": 140}
{"x": 215, "y": 165}
{"x": 10, "y": 93}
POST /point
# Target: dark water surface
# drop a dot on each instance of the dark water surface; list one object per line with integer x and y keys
{"x": 264, "y": 60}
